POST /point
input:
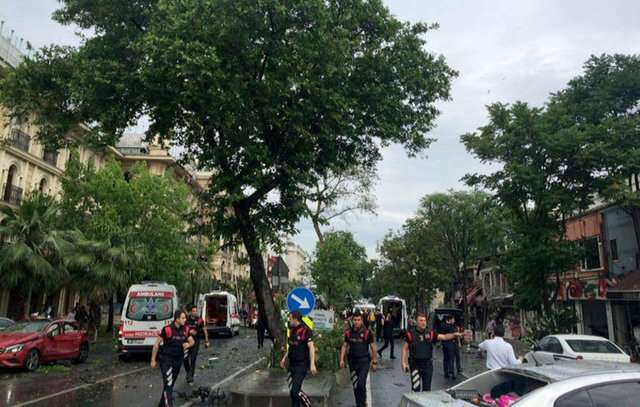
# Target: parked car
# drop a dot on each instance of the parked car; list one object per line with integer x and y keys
{"x": 574, "y": 347}
{"x": 562, "y": 384}
{"x": 28, "y": 344}
{"x": 5, "y": 323}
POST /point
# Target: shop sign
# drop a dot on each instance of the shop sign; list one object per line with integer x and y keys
{"x": 585, "y": 290}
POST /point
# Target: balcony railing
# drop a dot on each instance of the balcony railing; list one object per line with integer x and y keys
{"x": 51, "y": 157}
{"x": 20, "y": 139}
{"x": 12, "y": 195}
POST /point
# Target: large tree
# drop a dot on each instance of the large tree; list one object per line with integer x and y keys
{"x": 33, "y": 250}
{"x": 337, "y": 194}
{"x": 413, "y": 264}
{"x": 338, "y": 266}
{"x": 552, "y": 163}
{"x": 137, "y": 224}
{"x": 270, "y": 95}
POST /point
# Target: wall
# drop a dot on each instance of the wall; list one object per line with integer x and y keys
{"x": 618, "y": 226}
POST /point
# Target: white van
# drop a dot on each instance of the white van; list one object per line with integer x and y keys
{"x": 398, "y": 309}
{"x": 148, "y": 307}
{"x": 219, "y": 309}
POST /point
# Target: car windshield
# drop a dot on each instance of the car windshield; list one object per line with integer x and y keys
{"x": 591, "y": 346}
{"x": 485, "y": 388}
{"x": 27, "y": 327}
{"x": 150, "y": 308}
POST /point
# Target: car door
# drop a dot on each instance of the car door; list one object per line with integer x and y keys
{"x": 70, "y": 340}
{"x": 542, "y": 352}
{"x": 52, "y": 347}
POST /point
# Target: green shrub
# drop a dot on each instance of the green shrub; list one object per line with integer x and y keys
{"x": 554, "y": 321}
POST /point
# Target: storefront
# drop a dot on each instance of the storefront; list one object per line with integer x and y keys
{"x": 625, "y": 311}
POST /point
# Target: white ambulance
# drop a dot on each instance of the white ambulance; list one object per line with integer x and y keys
{"x": 148, "y": 307}
{"x": 219, "y": 309}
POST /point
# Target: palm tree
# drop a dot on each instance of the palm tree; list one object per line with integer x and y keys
{"x": 32, "y": 250}
{"x": 99, "y": 269}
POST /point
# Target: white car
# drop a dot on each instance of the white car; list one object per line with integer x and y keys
{"x": 576, "y": 347}
{"x": 563, "y": 384}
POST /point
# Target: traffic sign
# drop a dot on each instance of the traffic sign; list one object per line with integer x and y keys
{"x": 301, "y": 299}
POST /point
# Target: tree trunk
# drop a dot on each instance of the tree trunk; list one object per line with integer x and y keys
{"x": 111, "y": 311}
{"x": 635, "y": 216}
{"x": 316, "y": 227}
{"x": 264, "y": 297}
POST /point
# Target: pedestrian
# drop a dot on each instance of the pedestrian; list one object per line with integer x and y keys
{"x": 357, "y": 342}
{"x": 95, "y": 317}
{"x": 499, "y": 353}
{"x": 71, "y": 316}
{"x": 245, "y": 317}
{"x": 417, "y": 353}
{"x": 261, "y": 326}
{"x": 174, "y": 340}
{"x": 82, "y": 317}
{"x": 198, "y": 332}
{"x": 457, "y": 345}
{"x": 302, "y": 358}
{"x": 387, "y": 334}
{"x": 378, "y": 326}
{"x": 449, "y": 346}
{"x": 372, "y": 321}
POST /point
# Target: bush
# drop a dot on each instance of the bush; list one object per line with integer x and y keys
{"x": 328, "y": 345}
{"x": 554, "y": 321}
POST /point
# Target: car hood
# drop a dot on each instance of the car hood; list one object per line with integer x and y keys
{"x": 439, "y": 398}
{"x": 12, "y": 338}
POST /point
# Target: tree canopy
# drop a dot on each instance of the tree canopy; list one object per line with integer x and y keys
{"x": 338, "y": 266}
{"x": 553, "y": 162}
{"x": 269, "y": 95}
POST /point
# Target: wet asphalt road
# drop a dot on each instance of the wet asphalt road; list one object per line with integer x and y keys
{"x": 104, "y": 380}
{"x": 389, "y": 383}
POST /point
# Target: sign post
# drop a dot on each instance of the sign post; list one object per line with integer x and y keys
{"x": 301, "y": 299}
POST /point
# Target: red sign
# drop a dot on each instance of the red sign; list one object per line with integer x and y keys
{"x": 153, "y": 294}
{"x": 139, "y": 334}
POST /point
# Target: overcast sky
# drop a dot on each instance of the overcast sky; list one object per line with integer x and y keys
{"x": 504, "y": 50}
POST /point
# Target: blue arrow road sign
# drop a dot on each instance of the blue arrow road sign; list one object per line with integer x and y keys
{"x": 301, "y": 299}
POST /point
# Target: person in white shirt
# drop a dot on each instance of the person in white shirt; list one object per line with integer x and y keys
{"x": 499, "y": 353}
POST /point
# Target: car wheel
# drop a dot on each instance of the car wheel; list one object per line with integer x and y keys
{"x": 32, "y": 362}
{"x": 84, "y": 353}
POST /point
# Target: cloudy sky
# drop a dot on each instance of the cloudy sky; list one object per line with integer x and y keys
{"x": 504, "y": 50}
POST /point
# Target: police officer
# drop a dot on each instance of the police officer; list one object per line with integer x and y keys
{"x": 302, "y": 357}
{"x": 357, "y": 341}
{"x": 198, "y": 333}
{"x": 417, "y": 353}
{"x": 387, "y": 334}
{"x": 449, "y": 346}
{"x": 173, "y": 341}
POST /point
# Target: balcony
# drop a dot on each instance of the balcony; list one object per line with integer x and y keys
{"x": 12, "y": 195}
{"x": 20, "y": 139}
{"x": 51, "y": 156}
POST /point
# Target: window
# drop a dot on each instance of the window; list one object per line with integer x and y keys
{"x": 578, "y": 399}
{"x": 150, "y": 308}
{"x": 589, "y": 346}
{"x": 70, "y": 328}
{"x": 613, "y": 246}
{"x": 591, "y": 260}
{"x": 54, "y": 330}
{"x": 555, "y": 346}
{"x": 615, "y": 394}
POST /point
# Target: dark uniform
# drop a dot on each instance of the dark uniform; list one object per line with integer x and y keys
{"x": 387, "y": 333}
{"x": 359, "y": 360}
{"x": 378, "y": 326}
{"x": 420, "y": 358}
{"x": 170, "y": 359}
{"x": 196, "y": 330}
{"x": 299, "y": 361}
{"x": 449, "y": 349}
